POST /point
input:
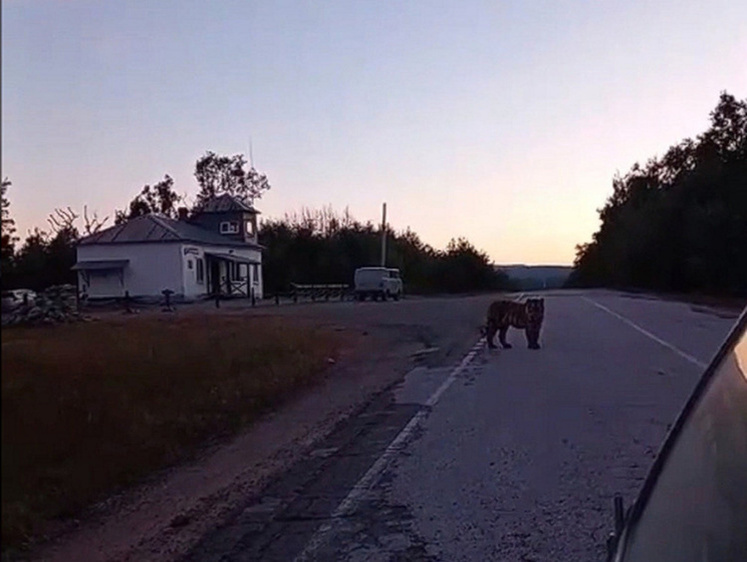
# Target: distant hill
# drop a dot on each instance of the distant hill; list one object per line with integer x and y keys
{"x": 533, "y": 277}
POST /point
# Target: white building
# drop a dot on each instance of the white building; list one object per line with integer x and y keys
{"x": 215, "y": 251}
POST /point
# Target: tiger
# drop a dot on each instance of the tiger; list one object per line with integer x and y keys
{"x": 526, "y": 316}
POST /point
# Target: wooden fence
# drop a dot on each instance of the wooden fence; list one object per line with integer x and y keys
{"x": 319, "y": 292}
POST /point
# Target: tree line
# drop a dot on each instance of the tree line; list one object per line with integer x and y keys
{"x": 310, "y": 246}
{"x": 323, "y": 246}
{"x": 679, "y": 222}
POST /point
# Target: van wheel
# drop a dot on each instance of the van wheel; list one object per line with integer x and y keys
{"x": 396, "y": 296}
{"x": 384, "y": 296}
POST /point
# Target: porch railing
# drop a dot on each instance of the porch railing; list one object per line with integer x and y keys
{"x": 238, "y": 287}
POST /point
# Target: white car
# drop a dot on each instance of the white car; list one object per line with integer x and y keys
{"x": 377, "y": 282}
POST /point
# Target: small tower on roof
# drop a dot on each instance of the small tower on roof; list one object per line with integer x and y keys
{"x": 229, "y": 216}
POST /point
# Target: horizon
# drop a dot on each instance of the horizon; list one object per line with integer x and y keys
{"x": 501, "y": 124}
{"x": 532, "y": 265}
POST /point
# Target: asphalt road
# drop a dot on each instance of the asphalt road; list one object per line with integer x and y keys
{"x": 487, "y": 455}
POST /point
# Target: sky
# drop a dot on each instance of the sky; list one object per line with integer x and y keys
{"x": 502, "y": 122}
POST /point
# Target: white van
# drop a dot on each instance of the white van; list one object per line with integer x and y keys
{"x": 377, "y": 282}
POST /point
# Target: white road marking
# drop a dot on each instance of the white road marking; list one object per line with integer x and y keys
{"x": 372, "y": 476}
{"x": 685, "y": 356}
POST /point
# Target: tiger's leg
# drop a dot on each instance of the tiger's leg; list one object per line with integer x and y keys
{"x": 490, "y": 334}
{"x": 502, "y": 337}
{"x": 532, "y": 338}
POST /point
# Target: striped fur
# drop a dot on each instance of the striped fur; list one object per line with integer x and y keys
{"x": 525, "y": 316}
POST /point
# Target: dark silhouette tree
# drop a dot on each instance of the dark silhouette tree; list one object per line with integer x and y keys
{"x": 31, "y": 262}
{"x": 160, "y": 198}
{"x": 63, "y": 220}
{"x": 9, "y": 239}
{"x": 46, "y": 258}
{"x": 678, "y": 223}
{"x": 217, "y": 174}
{"x": 321, "y": 246}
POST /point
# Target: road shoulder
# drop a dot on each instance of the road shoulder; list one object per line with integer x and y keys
{"x": 165, "y": 516}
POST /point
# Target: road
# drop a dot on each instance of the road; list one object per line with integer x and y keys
{"x": 489, "y": 455}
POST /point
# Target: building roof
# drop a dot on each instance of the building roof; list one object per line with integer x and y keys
{"x": 226, "y": 202}
{"x": 158, "y": 228}
{"x": 232, "y": 257}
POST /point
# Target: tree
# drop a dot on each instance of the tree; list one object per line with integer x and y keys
{"x": 47, "y": 258}
{"x": 257, "y": 184}
{"x": 217, "y": 174}
{"x": 728, "y": 130}
{"x": 160, "y": 198}
{"x": 462, "y": 267}
{"x": 63, "y": 220}
{"x": 321, "y": 246}
{"x": 31, "y": 262}
{"x": 92, "y": 224}
{"x": 679, "y": 223}
{"x": 9, "y": 239}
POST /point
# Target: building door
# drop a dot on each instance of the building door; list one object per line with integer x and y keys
{"x": 215, "y": 287}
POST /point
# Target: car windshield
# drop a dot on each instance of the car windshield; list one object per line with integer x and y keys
{"x": 360, "y": 280}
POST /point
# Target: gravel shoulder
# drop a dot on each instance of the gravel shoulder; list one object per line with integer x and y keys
{"x": 162, "y": 518}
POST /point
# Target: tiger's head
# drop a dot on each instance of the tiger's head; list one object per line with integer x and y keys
{"x": 535, "y": 311}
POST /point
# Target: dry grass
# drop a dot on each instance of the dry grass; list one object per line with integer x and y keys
{"x": 90, "y": 407}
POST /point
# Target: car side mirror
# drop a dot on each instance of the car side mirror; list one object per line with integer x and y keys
{"x": 693, "y": 504}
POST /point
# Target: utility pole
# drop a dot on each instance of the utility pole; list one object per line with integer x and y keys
{"x": 383, "y": 236}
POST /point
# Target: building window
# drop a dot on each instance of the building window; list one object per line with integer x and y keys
{"x": 229, "y": 227}
{"x": 255, "y": 274}
{"x": 250, "y": 227}
{"x": 190, "y": 265}
{"x": 200, "y": 271}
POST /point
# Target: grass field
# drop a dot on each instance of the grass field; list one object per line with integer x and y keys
{"x": 90, "y": 407}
